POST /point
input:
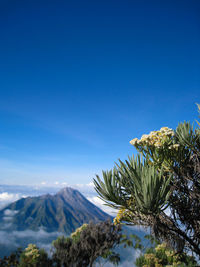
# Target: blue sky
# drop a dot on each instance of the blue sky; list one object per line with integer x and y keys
{"x": 80, "y": 79}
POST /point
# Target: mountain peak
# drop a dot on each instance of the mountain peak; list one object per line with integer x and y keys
{"x": 67, "y": 190}
{"x": 64, "y": 211}
{"x": 71, "y": 195}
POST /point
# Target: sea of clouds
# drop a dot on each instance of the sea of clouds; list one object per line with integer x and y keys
{"x": 10, "y": 240}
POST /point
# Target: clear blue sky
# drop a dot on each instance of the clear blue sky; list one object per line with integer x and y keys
{"x": 80, "y": 79}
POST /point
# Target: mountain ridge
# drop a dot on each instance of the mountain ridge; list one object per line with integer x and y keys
{"x": 63, "y": 212}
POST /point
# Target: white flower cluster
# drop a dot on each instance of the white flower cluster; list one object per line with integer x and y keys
{"x": 155, "y": 138}
{"x": 32, "y": 251}
{"x": 79, "y": 230}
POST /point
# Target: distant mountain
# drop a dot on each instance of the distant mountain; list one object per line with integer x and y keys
{"x": 63, "y": 212}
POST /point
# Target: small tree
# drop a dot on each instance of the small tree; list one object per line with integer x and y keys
{"x": 162, "y": 255}
{"x": 12, "y": 259}
{"x": 32, "y": 256}
{"x": 87, "y": 244}
{"x": 167, "y": 176}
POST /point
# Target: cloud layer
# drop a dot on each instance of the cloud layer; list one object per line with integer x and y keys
{"x": 6, "y": 198}
{"x": 10, "y": 240}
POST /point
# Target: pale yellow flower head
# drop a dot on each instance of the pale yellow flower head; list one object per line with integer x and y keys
{"x": 155, "y": 138}
{"x": 32, "y": 251}
{"x": 163, "y": 129}
{"x": 134, "y": 141}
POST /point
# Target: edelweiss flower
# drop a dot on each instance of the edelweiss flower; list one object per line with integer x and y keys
{"x": 163, "y": 129}
{"x": 134, "y": 141}
{"x": 155, "y": 138}
{"x": 144, "y": 137}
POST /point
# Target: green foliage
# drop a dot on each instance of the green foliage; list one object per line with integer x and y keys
{"x": 62, "y": 246}
{"x": 142, "y": 182}
{"x": 150, "y": 187}
{"x": 167, "y": 176}
{"x": 163, "y": 256}
{"x": 76, "y": 235}
{"x": 82, "y": 248}
{"x": 111, "y": 190}
{"x": 34, "y": 257}
{"x": 87, "y": 244}
{"x": 12, "y": 259}
{"x": 29, "y": 257}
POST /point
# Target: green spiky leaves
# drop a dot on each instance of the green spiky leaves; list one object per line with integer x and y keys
{"x": 110, "y": 189}
{"x": 144, "y": 183}
{"x": 151, "y": 188}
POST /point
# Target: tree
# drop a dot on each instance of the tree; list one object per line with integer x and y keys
{"x": 160, "y": 187}
{"x": 161, "y": 256}
{"x": 32, "y": 256}
{"x": 12, "y": 259}
{"x": 88, "y": 243}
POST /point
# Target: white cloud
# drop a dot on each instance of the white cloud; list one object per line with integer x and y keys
{"x": 6, "y": 239}
{"x": 85, "y": 185}
{"x": 6, "y": 198}
{"x": 84, "y": 188}
{"x": 40, "y": 234}
{"x": 9, "y": 212}
{"x": 90, "y": 184}
{"x": 101, "y": 204}
{"x": 6, "y": 226}
{"x": 11, "y": 240}
{"x": 43, "y": 239}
